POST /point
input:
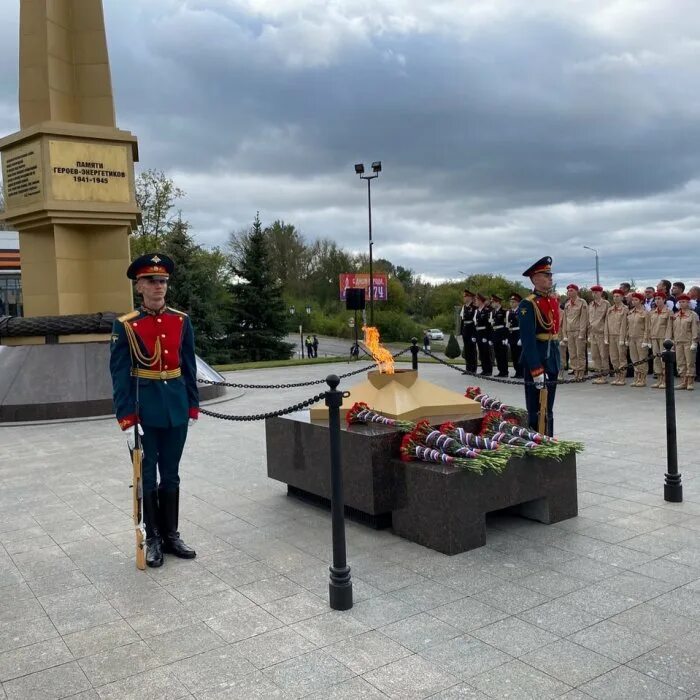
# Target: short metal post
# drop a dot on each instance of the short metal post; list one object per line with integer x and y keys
{"x": 673, "y": 489}
{"x": 414, "y": 353}
{"x": 340, "y": 584}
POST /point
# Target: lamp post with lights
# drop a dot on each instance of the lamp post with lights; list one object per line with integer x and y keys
{"x": 359, "y": 170}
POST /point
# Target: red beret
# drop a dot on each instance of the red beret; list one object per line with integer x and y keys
{"x": 682, "y": 297}
{"x": 596, "y": 288}
{"x": 662, "y": 295}
{"x": 618, "y": 291}
{"x": 638, "y": 295}
{"x": 572, "y": 286}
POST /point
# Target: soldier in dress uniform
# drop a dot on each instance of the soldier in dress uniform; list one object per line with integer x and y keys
{"x": 513, "y": 325}
{"x": 467, "y": 330}
{"x": 685, "y": 336}
{"x": 638, "y": 337}
{"x": 500, "y": 335}
{"x": 574, "y": 330}
{"x": 660, "y": 329}
{"x": 616, "y": 336}
{"x": 482, "y": 320}
{"x": 539, "y": 325}
{"x": 154, "y": 346}
{"x": 597, "y": 312}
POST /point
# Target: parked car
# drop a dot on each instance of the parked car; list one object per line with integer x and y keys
{"x": 436, "y": 334}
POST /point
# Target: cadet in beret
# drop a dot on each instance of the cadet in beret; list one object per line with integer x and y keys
{"x": 597, "y": 312}
{"x": 154, "y": 346}
{"x": 539, "y": 325}
{"x": 575, "y": 330}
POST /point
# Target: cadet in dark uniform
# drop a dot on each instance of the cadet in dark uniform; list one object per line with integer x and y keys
{"x": 500, "y": 335}
{"x": 539, "y": 325}
{"x": 154, "y": 346}
{"x": 513, "y": 325}
{"x": 467, "y": 331}
{"x": 482, "y": 320}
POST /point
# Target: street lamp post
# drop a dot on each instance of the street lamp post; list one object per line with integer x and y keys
{"x": 359, "y": 170}
{"x": 597, "y": 267}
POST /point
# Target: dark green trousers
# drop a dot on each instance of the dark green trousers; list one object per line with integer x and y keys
{"x": 162, "y": 450}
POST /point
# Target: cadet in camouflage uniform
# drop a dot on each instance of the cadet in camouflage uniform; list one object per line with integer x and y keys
{"x": 597, "y": 313}
{"x": 616, "y": 335}
{"x": 685, "y": 336}
{"x": 660, "y": 329}
{"x": 638, "y": 337}
{"x": 574, "y": 330}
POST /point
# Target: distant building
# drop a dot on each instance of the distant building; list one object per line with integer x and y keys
{"x": 10, "y": 275}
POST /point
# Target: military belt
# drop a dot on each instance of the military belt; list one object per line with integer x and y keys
{"x": 512, "y": 330}
{"x": 155, "y": 374}
{"x": 497, "y": 328}
{"x": 481, "y": 328}
{"x": 545, "y": 336}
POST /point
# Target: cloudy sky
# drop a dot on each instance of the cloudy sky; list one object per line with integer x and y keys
{"x": 507, "y": 129}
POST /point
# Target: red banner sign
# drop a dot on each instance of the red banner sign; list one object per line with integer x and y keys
{"x": 361, "y": 280}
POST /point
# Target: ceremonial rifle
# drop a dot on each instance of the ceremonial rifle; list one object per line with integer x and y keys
{"x": 137, "y": 485}
{"x": 542, "y": 416}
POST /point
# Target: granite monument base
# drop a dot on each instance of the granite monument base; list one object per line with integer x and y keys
{"x": 438, "y": 506}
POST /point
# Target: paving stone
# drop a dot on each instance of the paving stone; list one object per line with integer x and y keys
{"x": 353, "y": 689}
{"x": 61, "y": 583}
{"x": 569, "y": 662}
{"x": 518, "y": 680}
{"x": 511, "y": 598}
{"x": 513, "y": 636}
{"x": 587, "y": 569}
{"x": 184, "y": 642}
{"x": 468, "y": 614}
{"x": 615, "y": 641}
{"x": 559, "y": 617}
{"x": 307, "y": 673}
{"x": 267, "y": 590}
{"x": 273, "y": 647}
{"x": 251, "y": 687}
{"x": 637, "y": 586}
{"x": 390, "y": 577}
{"x": 624, "y": 682}
{"x": 57, "y": 682}
{"x": 682, "y": 601}
{"x": 419, "y": 632}
{"x": 240, "y": 574}
{"x": 115, "y": 664}
{"x": 204, "y": 671}
{"x": 218, "y": 603}
{"x": 296, "y": 607}
{"x": 673, "y": 665}
{"x": 427, "y": 595}
{"x": 465, "y": 656}
{"x": 410, "y": 677}
{"x": 665, "y": 570}
{"x": 365, "y": 652}
{"x": 21, "y": 633}
{"x": 460, "y": 692}
{"x": 598, "y": 600}
{"x": 153, "y": 624}
{"x": 33, "y": 658}
{"x": 551, "y": 584}
{"x": 158, "y": 684}
{"x": 242, "y": 623}
{"x": 655, "y": 622}
{"x": 96, "y": 639}
{"x": 329, "y": 627}
{"x": 381, "y": 610}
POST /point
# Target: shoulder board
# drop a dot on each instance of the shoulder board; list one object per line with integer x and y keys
{"x": 175, "y": 311}
{"x": 129, "y": 316}
{"x": 530, "y": 297}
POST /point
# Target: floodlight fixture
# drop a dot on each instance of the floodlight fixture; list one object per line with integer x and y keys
{"x": 359, "y": 168}
{"x": 377, "y": 166}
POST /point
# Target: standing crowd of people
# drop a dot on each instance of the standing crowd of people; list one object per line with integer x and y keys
{"x": 620, "y": 327}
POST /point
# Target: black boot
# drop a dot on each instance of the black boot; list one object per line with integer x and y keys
{"x": 154, "y": 553}
{"x": 169, "y": 510}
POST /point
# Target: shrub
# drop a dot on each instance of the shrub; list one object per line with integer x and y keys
{"x": 452, "y": 350}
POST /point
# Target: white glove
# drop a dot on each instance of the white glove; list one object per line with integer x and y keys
{"x": 607, "y": 342}
{"x": 505, "y": 342}
{"x": 191, "y": 422}
{"x": 565, "y": 340}
{"x": 490, "y": 342}
{"x": 473, "y": 340}
{"x": 130, "y": 434}
{"x": 539, "y": 381}
{"x": 693, "y": 346}
{"x": 520, "y": 342}
{"x": 622, "y": 342}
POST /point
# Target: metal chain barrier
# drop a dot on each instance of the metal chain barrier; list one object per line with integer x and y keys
{"x": 294, "y": 385}
{"x": 270, "y": 414}
{"x": 518, "y": 382}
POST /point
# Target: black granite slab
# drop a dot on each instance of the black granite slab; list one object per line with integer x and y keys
{"x": 438, "y": 506}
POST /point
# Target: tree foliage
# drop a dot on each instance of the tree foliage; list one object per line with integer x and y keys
{"x": 156, "y": 195}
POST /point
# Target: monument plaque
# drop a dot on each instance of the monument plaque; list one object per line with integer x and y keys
{"x": 22, "y": 174}
{"x": 89, "y": 172}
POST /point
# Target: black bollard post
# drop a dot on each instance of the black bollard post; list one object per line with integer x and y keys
{"x": 340, "y": 584}
{"x": 414, "y": 353}
{"x": 673, "y": 489}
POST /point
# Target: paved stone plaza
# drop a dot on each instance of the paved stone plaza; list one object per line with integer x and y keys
{"x": 606, "y": 605}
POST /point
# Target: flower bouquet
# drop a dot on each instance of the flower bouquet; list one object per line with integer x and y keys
{"x": 360, "y": 412}
{"x": 488, "y": 403}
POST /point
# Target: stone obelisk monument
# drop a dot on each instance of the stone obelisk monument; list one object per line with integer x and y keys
{"x": 69, "y": 172}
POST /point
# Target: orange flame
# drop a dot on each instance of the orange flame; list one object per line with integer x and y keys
{"x": 380, "y": 354}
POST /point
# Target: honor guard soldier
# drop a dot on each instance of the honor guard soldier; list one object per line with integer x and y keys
{"x": 616, "y": 336}
{"x": 468, "y": 331}
{"x": 638, "y": 337}
{"x": 500, "y": 335}
{"x": 574, "y": 330}
{"x": 685, "y": 336}
{"x": 660, "y": 329}
{"x": 482, "y": 320}
{"x": 597, "y": 313}
{"x": 539, "y": 325}
{"x": 154, "y": 346}
{"x": 513, "y": 325}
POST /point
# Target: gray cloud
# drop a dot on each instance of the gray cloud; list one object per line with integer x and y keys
{"x": 504, "y": 132}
